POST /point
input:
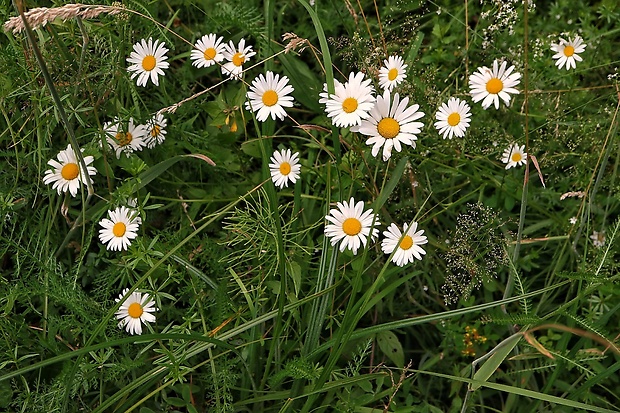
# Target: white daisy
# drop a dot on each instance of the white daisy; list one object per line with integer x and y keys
{"x": 453, "y": 118}
{"x": 284, "y": 167}
{"x": 598, "y": 238}
{"x": 65, "y": 174}
{"x": 154, "y": 131}
{"x": 236, "y": 58}
{"x": 391, "y": 123}
{"x": 124, "y": 142}
{"x": 351, "y": 102}
{"x": 490, "y": 85}
{"x": 392, "y": 73}
{"x": 514, "y": 156}
{"x": 120, "y": 229}
{"x": 134, "y": 310}
{"x": 207, "y": 51}
{"x": 407, "y": 246}
{"x": 148, "y": 59}
{"x": 568, "y": 51}
{"x": 350, "y": 225}
{"x": 268, "y": 96}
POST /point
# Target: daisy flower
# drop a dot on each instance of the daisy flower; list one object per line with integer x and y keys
{"x": 453, "y": 118}
{"x": 407, "y": 245}
{"x": 490, "y": 85}
{"x": 267, "y": 96}
{"x": 514, "y": 156}
{"x": 236, "y": 58}
{"x": 135, "y": 309}
{"x": 284, "y": 167}
{"x": 598, "y": 238}
{"x": 392, "y": 73}
{"x": 207, "y": 51}
{"x": 351, "y": 102}
{"x": 148, "y": 59}
{"x": 566, "y": 52}
{"x": 350, "y": 225}
{"x": 124, "y": 142}
{"x": 65, "y": 174}
{"x": 391, "y": 123}
{"x": 117, "y": 231}
{"x": 154, "y": 131}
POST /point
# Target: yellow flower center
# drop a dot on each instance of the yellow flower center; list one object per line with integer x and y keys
{"x": 352, "y": 226}
{"x": 155, "y": 131}
{"x": 454, "y": 119}
{"x": 406, "y": 243}
{"x": 70, "y": 171}
{"x": 270, "y": 98}
{"x": 494, "y": 86}
{"x": 148, "y": 63}
{"x": 123, "y": 138}
{"x": 388, "y": 128}
{"x": 285, "y": 168}
{"x": 238, "y": 59}
{"x": 392, "y": 74}
{"x": 349, "y": 105}
{"x": 209, "y": 53}
{"x": 135, "y": 310}
{"x": 516, "y": 157}
{"x": 569, "y": 51}
{"x": 119, "y": 229}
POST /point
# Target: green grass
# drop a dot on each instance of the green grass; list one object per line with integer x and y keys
{"x": 257, "y": 311}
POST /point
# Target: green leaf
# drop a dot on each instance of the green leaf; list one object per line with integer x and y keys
{"x": 294, "y": 271}
{"x": 500, "y": 353}
{"x": 391, "y": 347}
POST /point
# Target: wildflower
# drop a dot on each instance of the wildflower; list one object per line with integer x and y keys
{"x": 65, "y": 174}
{"x": 124, "y": 142}
{"x": 566, "y": 52}
{"x": 351, "y": 102}
{"x": 407, "y": 246}
{"x": 514, "y": 156}
{"x": 453, "y": 118}
{"x": 134, "y": 310}
{"x": 572, "y": 220}
{"x": 267, "y": 96}
{"x": 351, "y": 225}
{"x": 236, "y": 58}
{"x": 598, "y": 238}
{"x": 284, "y": 167}
{"x": 148, "y": 60}
{"x": 207, "y": 51}
{"x": 392, "y": 73}
{"x": 154, "y": 131}
{"x": 117, "y": 231}
{"x": 391, "y": 123}
{"x": 490, "y": 85}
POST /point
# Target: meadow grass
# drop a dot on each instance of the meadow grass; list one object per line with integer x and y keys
{"x": 211, "y": 249}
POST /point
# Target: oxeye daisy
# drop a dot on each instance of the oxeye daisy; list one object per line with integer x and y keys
{"x": 148, "y": 59}
{"x": 284, "y": 167}
{"x": 135, "y": 309}
{"x": 207, "y": 51}
{"x": 154, "y": 131}
{"x": 392, "y": 73}
{"x": 489, "y": 85}
{"x": 65, "y": 174}
{"x": 236, "y": 57}
{"x": 351, "y": 102}
{"x": 268, "y": 96}
{"x": 453, "y": 118}
{"x": 406, "y": 243}
{"x": 391, "y": 123}
{"x": 567, "y": 52}
{"x": 124, "y": 142}
{"x": 350, "y": 225}
{"x": 514, "y": 156}
{"x": 120, "y": 229}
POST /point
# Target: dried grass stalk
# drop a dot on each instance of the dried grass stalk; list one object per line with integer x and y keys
{"x": 40, "y": 16}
